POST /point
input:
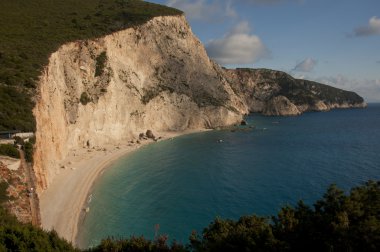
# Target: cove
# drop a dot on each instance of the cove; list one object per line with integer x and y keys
{"x": 184, "y": 183}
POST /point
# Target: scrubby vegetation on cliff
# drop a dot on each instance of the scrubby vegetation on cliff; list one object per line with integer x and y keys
{"x": 9, "y": 150}
{"x": 15, "y": 236}
{"x": 31, "y": 30}
{"x": 3, "y": 192}
{"x": 337, "y": 222}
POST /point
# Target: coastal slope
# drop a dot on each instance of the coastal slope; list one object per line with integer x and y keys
{"x": 274, "y": 93}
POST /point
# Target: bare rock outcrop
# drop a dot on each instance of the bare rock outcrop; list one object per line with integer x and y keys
{"x": 155, "y": 76}
{"x": 280, "y": 106}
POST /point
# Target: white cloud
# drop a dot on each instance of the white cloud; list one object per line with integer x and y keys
{"x": 299, "y": 76}
{"x": 203, "y": 9}
{"x": 230, "y": 11}
{"x": 237, "y": 47}
{"x": 373, "y": 28}
{"x": 307, "y": 65}
{"x": 369, "y": 89}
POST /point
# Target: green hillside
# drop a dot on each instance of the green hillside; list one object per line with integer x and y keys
{"x": 31, "y": 30}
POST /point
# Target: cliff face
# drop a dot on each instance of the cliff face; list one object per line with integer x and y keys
{"x": 276, "y": 93}
{"x": 156, "y": 76}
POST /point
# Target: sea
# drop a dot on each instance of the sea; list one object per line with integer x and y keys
{"x": 180, "y": 185}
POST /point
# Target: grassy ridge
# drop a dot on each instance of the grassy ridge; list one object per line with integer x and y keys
{"x": 31, "y": 30}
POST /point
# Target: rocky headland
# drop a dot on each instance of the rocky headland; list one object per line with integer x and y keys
{"x": 276, "y": 93}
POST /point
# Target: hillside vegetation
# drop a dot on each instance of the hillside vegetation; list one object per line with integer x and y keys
{"x": 9, "y": 150}
{"x": 15, "y": 236}
{"x": 336, "y": 222}
{"x": 300, "y": 91}
{"x": 31, "y": 30}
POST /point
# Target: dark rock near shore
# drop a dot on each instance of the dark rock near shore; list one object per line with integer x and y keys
{"x": 149, "y": 134}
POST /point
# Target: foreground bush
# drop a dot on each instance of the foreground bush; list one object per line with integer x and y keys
{"x": 15, "y": 236}
{"x": 138, "y": 244}
{"x": 9, "y": 150}
{"x": 337, "y": 222}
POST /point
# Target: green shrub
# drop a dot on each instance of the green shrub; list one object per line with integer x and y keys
{"x": 84, "y": 98}
{"x": 138, "y": 244}
{"x": 28, "y": 149}
{"x": 15, "y": 236}
{"x": 3, "y": 192}
{"x": 100, "y": 63}
{"x": 337, "y": 222}
{"x": 32, "y": 140}
{"x": 9, "y": 150}
{"x": 149, "y": 94}
{"x": 15, "y": 109}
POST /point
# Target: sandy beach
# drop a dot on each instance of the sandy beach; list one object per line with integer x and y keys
{"x": 65, "y": 199}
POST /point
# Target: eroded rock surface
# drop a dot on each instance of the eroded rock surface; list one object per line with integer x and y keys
{"x": 156, "y": 77}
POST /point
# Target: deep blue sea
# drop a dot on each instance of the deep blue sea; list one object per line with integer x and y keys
{"x": 183, "y": 184}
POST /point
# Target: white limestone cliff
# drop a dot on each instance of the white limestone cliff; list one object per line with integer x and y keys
{"x": 156, "y": 76}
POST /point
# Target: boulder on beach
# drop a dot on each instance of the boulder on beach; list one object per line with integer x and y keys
{"x": 149, "y": 134}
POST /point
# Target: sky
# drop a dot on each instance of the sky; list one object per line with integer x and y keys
{"x": 336, "y": 42}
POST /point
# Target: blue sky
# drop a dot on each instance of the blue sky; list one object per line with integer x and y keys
{"x": 336, "y": 42}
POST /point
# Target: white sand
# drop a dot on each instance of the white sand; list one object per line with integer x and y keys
{"x": 64, "y": 200}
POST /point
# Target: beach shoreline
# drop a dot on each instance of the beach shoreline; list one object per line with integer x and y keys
{"x": 63, "y": 205}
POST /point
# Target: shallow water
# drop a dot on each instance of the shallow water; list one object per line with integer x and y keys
{"x": 183, "y": 184}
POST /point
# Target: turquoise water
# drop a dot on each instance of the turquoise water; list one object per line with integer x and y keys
{"x": 183, "y": 184}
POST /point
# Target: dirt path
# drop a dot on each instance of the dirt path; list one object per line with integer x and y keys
{"x": 33, "y": 197}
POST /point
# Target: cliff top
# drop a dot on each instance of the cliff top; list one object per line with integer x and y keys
{"x": 31, "y": 30}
